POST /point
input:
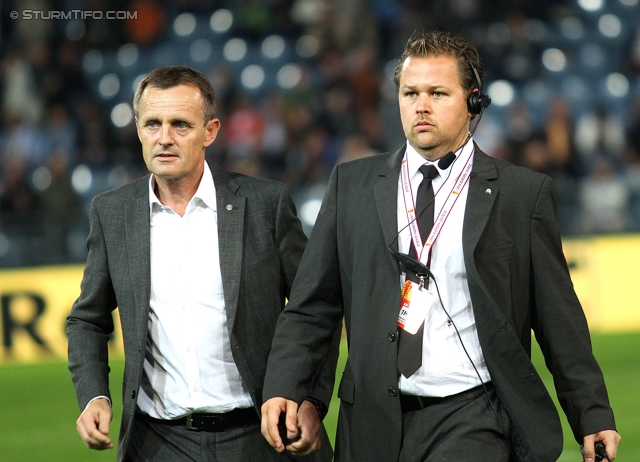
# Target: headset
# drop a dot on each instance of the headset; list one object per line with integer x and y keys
{"x": 477, "y": 101}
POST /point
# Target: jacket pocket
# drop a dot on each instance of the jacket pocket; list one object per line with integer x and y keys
{"x": 347, "y": 389}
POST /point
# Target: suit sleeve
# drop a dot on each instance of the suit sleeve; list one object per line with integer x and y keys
{"x": 291, "y": 240}
{"x": 292, "y": 245}
{"x": 305, "y": 347}
{"x": 90, "y": 322}
{"x": 561, "y": 328}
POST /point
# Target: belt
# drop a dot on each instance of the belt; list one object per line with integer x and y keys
{"x": 210, "y": 422}
{"x": 410, "y": 403}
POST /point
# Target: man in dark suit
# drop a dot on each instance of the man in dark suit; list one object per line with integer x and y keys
{"x": 199, "y": 262}
{"x": 441, "y": 371}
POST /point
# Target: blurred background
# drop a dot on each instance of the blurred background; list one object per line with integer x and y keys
{"x": 300, "y": 85}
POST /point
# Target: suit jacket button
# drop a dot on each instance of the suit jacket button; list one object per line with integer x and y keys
{"x": 392, "y": 337}
{"x": 393, "y": 391}
{"x": 133, "y": 394}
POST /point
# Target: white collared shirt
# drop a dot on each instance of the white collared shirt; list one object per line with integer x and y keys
{"x": 188, "y": 364}
{"x": 446, "y": 369}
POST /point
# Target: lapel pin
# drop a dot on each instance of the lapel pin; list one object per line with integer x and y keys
{"x": 229, "y": 207}
{"x": 487, "y": 191}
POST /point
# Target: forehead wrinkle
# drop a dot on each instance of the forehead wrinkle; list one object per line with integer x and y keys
{"x": 181, "y": 94}
{"x": 427, "y": 73}
{"x": 164, "y": 106}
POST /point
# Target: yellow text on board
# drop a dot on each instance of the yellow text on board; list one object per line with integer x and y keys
{"x": 34, "y": 304}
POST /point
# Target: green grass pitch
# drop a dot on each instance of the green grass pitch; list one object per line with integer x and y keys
{"x": 38, "y": 408}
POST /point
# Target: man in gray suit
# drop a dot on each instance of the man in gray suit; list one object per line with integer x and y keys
{"x": 441, "y": 371}
{"x": 199, "y": 262}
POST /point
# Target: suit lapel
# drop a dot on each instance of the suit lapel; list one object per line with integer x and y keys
{"x": 386, "y": 197}
{"x": 231, "y": 221}
{"x": 482, "y": 194}
{"x": 138, "y": 246}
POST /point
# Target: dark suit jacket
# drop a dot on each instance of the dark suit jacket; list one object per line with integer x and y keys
{"x": 518, "y": 281}
{"x": 261, "y": 243}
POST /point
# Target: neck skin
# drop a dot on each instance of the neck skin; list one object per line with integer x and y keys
{"x": 176, "y": 193}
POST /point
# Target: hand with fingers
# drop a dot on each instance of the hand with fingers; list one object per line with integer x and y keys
{"x": 93, "y": 424}
{"x": 309, "y": 431}
{"x": 601, "y": 446}
{"x": 271, "y": 412}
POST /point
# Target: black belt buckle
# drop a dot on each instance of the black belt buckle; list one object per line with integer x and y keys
{"x": 211, "y": 422}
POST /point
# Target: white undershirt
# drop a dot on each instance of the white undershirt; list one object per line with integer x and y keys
{"x": 446, "y": 369}
{"x": 192, "y": 368}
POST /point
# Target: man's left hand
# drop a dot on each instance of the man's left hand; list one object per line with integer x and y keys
{"x": 310, "y": 428}
{"x": 610, "y": 438}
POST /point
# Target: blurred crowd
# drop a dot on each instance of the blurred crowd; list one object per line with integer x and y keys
{"x": 57, "y": 133}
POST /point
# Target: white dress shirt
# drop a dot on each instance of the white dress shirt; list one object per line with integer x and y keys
{"x": 446, "y": 369}
{"x": 188, "y": 364}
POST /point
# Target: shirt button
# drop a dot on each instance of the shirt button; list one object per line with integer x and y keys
{"x": 393, "y": 391}
{"x": 188, "y": 347}
{"x": 196, "y": 389}
{"x": 392, "y": 337}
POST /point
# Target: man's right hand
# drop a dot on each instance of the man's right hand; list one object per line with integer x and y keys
{"x": 93, "y": 424}
{"x": 271, "y": 410}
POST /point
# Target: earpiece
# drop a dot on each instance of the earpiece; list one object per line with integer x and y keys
{"x": 477, "y": 101}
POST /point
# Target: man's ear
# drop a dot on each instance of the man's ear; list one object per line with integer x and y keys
{"x": 212, "y": 128}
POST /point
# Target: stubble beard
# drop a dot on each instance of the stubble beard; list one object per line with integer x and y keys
{"x": 427, "y": 149}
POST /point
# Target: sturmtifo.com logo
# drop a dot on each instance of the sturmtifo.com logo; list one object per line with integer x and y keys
{"x": 73, "y": 14}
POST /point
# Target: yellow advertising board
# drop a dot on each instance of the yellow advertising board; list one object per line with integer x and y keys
{"x": 35, "y": 301}
{"x": 604, "y": 274}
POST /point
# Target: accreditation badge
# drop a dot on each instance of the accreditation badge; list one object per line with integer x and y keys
{"x": 415, "y": 303}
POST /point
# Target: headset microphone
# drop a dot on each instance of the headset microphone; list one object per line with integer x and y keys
{"x": 446, "y": 160}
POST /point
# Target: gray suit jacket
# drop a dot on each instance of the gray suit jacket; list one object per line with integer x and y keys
{"x": 518, "y": 281}
{"x": 260, "y": 242}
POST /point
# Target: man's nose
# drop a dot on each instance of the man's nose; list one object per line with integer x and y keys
{"x": 166, "y": 135}
{"x": 424, "y": 104}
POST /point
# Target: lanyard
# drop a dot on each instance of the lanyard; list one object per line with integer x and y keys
{"x": 442, "y": 216}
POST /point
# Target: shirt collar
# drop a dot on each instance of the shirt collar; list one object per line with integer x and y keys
{"x": 415, "y": 161}
{"x": 206, "y": 191}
